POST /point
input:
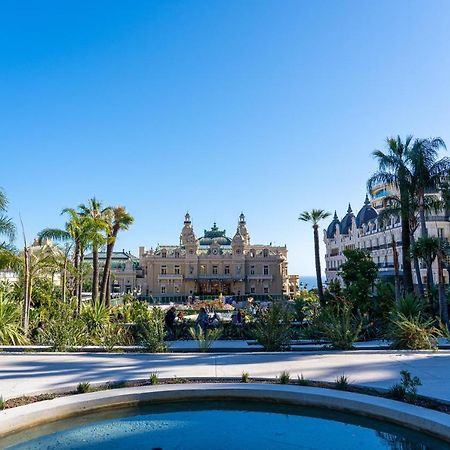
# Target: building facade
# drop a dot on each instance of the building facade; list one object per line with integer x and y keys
{"x": 214, "y": 264}
{"x": 365, "y": 231}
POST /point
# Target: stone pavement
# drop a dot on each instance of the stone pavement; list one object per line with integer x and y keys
{"x": 28, "y": 373}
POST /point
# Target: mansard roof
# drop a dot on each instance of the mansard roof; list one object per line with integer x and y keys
{"x": 331, "y": 230}
{"x": 346, "y": 222}
{"x": 366, "y": 214}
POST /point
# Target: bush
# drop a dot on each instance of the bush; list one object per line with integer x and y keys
{"x": 406, "y": 390}
{"x": 82, "y": 388}
{"x": 410, "y": 306}
{"x": 206, "y": 338}
{"x": 413, "y": 333}
{"x": 154, "y": 379}
{"x": 2, "y": 404}
{"x": 272, "y": 328}
{"x": 95, "y": 315}
{"x": 11, "y": 332}
{"x": 302, "y": 381}
{"x": 339, "y": 326}
{"x": 245, "y": 378}
{"x": 342, "y": 383}
{"x": 284, "y": 377}
{"x": 151, "y": 330}
{"x": 64, "y": 330}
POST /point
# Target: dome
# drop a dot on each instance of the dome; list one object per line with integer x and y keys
{"x": 366, "y": 214}
{"x": 215, "y": 235}
{"x": 346, "y": 223}
{"x": 331, "y": 230}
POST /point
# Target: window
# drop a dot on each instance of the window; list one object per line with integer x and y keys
{"x": 163, "y": 270}
{"x": 203, "y": 269}
{"x": 266, "y": 290}
{"x": 177, "y": 270}
{"x": 266, "y": 270}
{"x": 252, "y": 270}
{"x": 215, "y": 270}
{"x": 252, "y": 290}
{"x": 227, "y": 270}
{"x": 440, "y": 232}
{"x": 177, "y": 289}
{"x": 163, "y": 289}
{"x": 177, "y": 254}
{"x": 265, "y": 253}
{"x": 163, "y": 254}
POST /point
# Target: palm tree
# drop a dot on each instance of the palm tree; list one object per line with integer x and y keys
{"x": 427, "y": 172}
{"x": 430, "y": 249}
{"x": 314, "y": 217}
{"x": 98, "y": 225}
{"x": 119, "y": 219}
{"x": 393, "y": 170}
{"x": 7, "y": 228}
{"x": 77, "y": 231}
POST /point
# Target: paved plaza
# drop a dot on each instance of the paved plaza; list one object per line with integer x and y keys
{"x": 28, "y": 373}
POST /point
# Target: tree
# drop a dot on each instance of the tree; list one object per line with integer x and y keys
{"x": 7, "y": 231}
{"x": 393, "y": 170}
{"x": 118, "y": 219}
{"x": 98, "y": 227}
{"x": 77, "y": 231}
{"x": 430, "y": 249}
{"x": 314, "y": 217}
{"x": 359, "y": 273}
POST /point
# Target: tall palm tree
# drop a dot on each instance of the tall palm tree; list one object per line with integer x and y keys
{"x": 119, "y": 219}
{"x": 7, "y": 228}
{"x": 77, "y": 231}
{"x": 96, "y": 216}
{"x": 314, "y": 217}
{"x": 431, "y": 249}
{"x": 393, "y": 170}
{"x": 427, "y": 172}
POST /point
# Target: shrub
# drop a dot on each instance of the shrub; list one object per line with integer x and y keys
{"x": 206, "y": 338}
{"x": 82, "y": 388}
{"x": 64, "y": 330}
{"x": 151, "y": 330}
{"x": 154, "y": 378}
{"x": 95, "y": 315}
{"x": 342, "y": 383}
{"x": 339, "y": 326}
{"x": 410, "y": 306}
{"x": 177, "y": 380}
{"x": 302, "y": 381}
{"x": 11, "y": 332}
{"x": 245, "y": 378}
{"x": 406, "y": 390}
{"x": 272, "y": 328}
{"x": 413, "y": 333}
{"x": 2, "y": 404}
{"x": 284, "y": 377}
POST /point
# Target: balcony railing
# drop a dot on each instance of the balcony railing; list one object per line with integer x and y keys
{"x": 170, "y": 276}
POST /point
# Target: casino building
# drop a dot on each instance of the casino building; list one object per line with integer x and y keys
{"x": 214, "y": 264}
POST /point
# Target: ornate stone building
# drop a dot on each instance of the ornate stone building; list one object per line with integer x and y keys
{"x": 214, "y": 264}
{"x": 364, "y": 231}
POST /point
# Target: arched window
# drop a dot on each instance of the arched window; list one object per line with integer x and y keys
{"x": 265, "y": 253}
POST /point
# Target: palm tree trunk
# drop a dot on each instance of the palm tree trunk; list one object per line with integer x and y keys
{"x": 107, "y": 267}
{"x": 423, "y": 224}
{"x": 80, "y": 281}
{"x": 417, "y": 270}
{"x": 317, "y": 258}
{"x": 26, "y": 294}
{"x": 443, "y": 306}
{"x": 76, "y": 258}
{"x": 406, "y": 247}
{"x": 396, "y": 271}
{"x": 95, "y": 275}
{"x": 108, "y": 290}
{"x": 64, "y": 280}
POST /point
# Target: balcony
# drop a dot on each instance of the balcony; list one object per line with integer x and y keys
{"x": 170, "y": 276}
{"x": 259, "y": 277}
{"x": 214, "y": 276}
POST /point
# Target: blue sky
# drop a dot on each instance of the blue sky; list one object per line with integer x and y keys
{"x": 270, "y": 107}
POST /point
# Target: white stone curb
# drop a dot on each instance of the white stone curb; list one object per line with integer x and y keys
{"x": 421, "y": 419}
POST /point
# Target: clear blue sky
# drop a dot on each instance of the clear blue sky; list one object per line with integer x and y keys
{"x": 270, "y": 107}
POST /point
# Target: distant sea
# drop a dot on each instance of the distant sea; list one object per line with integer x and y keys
{"x": 311, "y": 281}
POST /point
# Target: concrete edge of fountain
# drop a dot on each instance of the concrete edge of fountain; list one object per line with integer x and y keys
{"x": 421, "y": 419}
